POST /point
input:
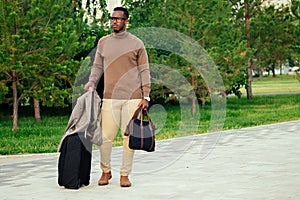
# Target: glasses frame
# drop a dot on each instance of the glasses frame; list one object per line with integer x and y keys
{"x": 117, "y": 19}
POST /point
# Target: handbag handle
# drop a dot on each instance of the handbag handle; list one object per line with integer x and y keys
{"x": 140, "y": 111}
{"x": 129, "y": 128}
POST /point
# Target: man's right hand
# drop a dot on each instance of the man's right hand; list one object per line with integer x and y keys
{"x": 89, "y": 84}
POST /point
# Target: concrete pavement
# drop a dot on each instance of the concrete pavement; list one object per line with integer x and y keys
{"x": 254, "y": 163}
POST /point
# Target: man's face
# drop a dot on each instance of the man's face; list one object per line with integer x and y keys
{"x": 118, "y": 21}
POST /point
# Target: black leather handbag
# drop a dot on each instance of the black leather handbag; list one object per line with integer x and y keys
{"x": 141, "y": 131}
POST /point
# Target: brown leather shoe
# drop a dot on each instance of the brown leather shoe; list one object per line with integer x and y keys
{"x": 124, "y": 181}
{"x": 104, "y": 178}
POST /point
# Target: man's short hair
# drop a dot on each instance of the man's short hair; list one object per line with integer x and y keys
{"x": 125, "y": 11}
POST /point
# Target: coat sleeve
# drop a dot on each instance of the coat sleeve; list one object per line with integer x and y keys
{"x": 76, "y": 113}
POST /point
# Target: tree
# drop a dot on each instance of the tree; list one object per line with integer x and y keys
{"x": 295, "y": 8}
{"x": 202, "y": 27}
{"x": 273, "y": 31}
{"x": 244, "y": 11}
{"x": 38, "y": 41}
{"x": 241, "y": 36}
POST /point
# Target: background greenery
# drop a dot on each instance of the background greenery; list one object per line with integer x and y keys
{"x": 43, "y": 45}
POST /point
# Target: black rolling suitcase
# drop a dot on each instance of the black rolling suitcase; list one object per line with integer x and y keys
{"x": 74, "y": 163}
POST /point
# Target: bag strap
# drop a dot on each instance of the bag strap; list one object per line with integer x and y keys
{"x": 140, "y": 111}
{"x": 136, "y": 113}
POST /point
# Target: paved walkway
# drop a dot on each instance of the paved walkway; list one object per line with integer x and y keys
{"x": 255, "y": 163}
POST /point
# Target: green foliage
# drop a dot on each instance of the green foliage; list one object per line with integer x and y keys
{"x": 273, "y": 32}
{"x": 43, "y": 43}
{"x": 200, "y": 27}
{"x": 295, "y": 54}
{"x": 48, "y": 34}
{"x": 39, "y": 39}
{"x": 211, "y": 26}
{"x": 295, "y": 8}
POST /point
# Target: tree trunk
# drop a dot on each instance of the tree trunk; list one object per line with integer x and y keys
{"x": 15, "y": 101}
{"x": 249, "y": 80}
{"x": 280, "y": 67}
{"x": 250, "y": 62}
{"x": 14, "y": 85}
{"x": 36, "y": 110}
{"x": 193, "y": 99}
{"x": 261, "y": 72}
{"x": 194, "y": 106}
{"x": 273, "y": 70}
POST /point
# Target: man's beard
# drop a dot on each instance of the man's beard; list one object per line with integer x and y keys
{"x": 119, "y": 30}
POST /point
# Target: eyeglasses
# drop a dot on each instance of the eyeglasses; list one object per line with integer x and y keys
{"x": 117, "y": 19}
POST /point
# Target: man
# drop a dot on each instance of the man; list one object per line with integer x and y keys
{"x": 123, "y": 59}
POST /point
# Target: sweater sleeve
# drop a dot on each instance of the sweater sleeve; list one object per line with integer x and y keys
{"x": 97, "y": 67}
{"x": 143, "y": 66}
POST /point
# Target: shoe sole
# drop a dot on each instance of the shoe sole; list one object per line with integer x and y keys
{"x": 125, "y": 185}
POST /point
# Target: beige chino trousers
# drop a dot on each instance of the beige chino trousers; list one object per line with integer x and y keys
{"x": 116, "y": 114}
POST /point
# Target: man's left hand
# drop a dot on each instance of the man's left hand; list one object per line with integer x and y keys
{"x": 144, "y": 104}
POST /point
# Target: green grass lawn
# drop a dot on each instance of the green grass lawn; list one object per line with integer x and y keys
{"x": 41, "y": 137}
{"x": 277, "y": 84}
{"x": 32, "y": 137}
{"x": 44, "y": 136}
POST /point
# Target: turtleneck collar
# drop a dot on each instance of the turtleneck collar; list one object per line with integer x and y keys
{"x": 121, "y": 35}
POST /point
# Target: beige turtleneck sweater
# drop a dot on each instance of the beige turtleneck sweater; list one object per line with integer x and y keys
{"x": 126, "y": 67}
